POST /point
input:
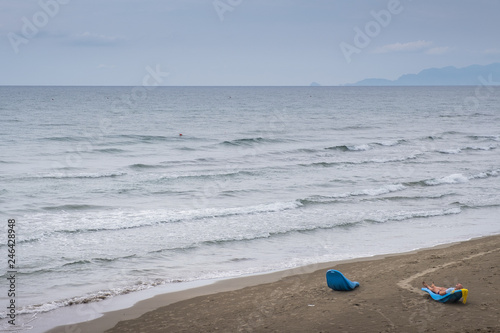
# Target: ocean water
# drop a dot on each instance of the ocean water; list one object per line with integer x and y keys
{"x": 118, "y": 189}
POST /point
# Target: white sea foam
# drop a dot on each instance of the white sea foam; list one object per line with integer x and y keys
{"x": 486, "y": 174}
{"x": 362, "y": 147}
{"x": 450, "y": 151}
{"x": 384, "y": 190}
{"x": 456, "y": 178}
{"x": 390, "y": 143}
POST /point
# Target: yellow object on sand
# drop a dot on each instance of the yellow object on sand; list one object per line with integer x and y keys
{"x": 465, "y": 292}
{"x": 464, "y": 295}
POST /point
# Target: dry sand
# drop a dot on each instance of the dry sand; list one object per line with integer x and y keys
{"x": 388, "y": 300}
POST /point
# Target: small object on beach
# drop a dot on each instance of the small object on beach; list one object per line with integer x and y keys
{"x": 180, "y": 134}
{"x": 310, "y": 305}
{"x": 337, "y": 281}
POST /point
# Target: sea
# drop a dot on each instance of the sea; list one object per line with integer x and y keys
{"x": 116, "y": 190}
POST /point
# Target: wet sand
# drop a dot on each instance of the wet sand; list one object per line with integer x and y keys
{"x": 389, "y": 298}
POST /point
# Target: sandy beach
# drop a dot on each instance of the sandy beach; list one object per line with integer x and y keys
{"x": 389, "y": 298}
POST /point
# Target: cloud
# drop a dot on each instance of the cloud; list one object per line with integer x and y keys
{"x": 437, "y": 50}
{"x": 90, "y": 39}
{"x": 403, "y": 47}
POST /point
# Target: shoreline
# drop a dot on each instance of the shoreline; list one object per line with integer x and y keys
{"x": 222, "y": 288}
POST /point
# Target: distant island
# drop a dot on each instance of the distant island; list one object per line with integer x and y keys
{"x": 446, "y": 76}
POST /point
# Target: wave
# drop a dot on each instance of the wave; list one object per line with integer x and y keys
{"x": 128, "y": 139}
{"x": 168, "y": 164}
{"x": 96, "y": 260}
{"x": 412, "y": 198}
{"x": 486, "y": 174}
{"x": 452, "y": 115}
{"x": 395, "y": 159}
{"x": 432, "y": 138}
{"x": 61, "y": 175}
{"x": 279, "y": 233}
{"x": 47, "y": 234}
{"x": 145, "y": 138}
{"x": 110, "y": 150}
{"x": 102, "y": 229}
{"x": 383, "y": 190}
{"x": 303, "y": 150}
{"x": 450, "y": 151}
{"x": 66, "y": 138}
{"x": 295, "y": 151}
{"x": 177, "y": 217}
{"x": 186, "y": 149}
{"x": 319, "y": 199}
{"x": 490, "y": 147}
{"x": 56, "y": 125}
{"x": 209, "y": 175}
{"x": 250, "y": 141}
{"x": 176, "y": 249}
{"x": 400, "y": 216}
{"x": 26, "y": 271}
{"x": 240, "y": 142}
{"x": 362, "y": 147}
{"x": 71, "y": 207}
{"x": 473, "y": 148}
{"x": 391, "y": 143}
{"x": 77, "y": 263}
{"x": 484, "y": 137}
{"x": 92, "y": 297}
{"x": 10, "y": 120}
{"x": 456, "y": 178}
{"x": 240, "y": 259}
{"x": 141, "y": 166}
{"x": 453, "y": 133}
{"x": 354, "y": 127}
{"x": 477, "y": 205}
{"x": 367, "y": 146}
{"x": 370, "y": 161}
{"x": 28, "y": 240}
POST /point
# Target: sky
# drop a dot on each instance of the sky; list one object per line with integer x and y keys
{"x": 239, "y": 42}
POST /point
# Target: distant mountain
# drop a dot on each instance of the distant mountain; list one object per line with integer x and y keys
{"x": 446, "y": 76}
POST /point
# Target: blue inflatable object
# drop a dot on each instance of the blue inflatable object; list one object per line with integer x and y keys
{"x": 337, "y": 281}
{"x": 453, "y": 297}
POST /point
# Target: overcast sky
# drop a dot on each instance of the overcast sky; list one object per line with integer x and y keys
{"x": 240, "y": 42}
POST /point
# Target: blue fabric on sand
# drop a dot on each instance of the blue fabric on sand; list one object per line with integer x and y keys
{"x": 454, "y": 297}
{"x": 337, "y": 281}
